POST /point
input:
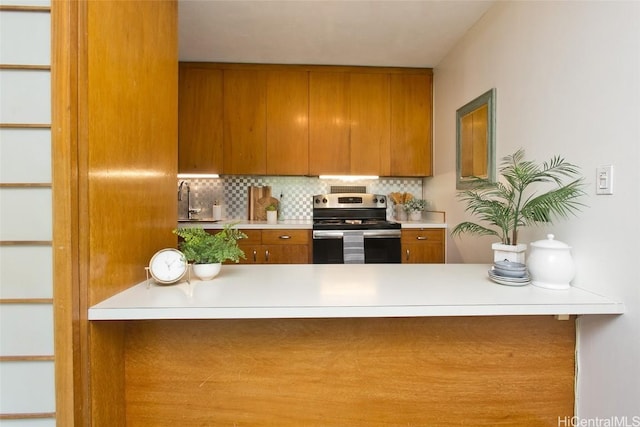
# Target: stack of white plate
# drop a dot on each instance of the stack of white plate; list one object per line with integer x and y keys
{"x": 509, "y": 273}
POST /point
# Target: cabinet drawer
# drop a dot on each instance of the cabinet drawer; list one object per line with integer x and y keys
{"x": 422, "y": 235}
{"x": 254, "y": 237}
{"x": 286, "y": 237}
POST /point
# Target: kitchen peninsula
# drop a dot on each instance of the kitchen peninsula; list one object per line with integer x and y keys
{"x": 347, "y": 345}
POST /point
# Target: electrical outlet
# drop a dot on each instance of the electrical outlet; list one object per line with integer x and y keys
{"x": 604, "y": 179}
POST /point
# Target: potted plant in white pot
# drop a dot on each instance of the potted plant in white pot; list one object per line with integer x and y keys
{"x": 208, "y": 251}
{"x": 512, "y": 202}
{"x": 414, "y": 208}
{"x": 272, "y": 213}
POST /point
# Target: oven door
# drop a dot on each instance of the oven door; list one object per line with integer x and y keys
{"x": 380, "y": 247}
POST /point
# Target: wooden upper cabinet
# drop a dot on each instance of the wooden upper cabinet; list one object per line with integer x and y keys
{"x": 245, "y": 121}
{"x": 370, "y": 124}
{"x": 411, "y": 125}
{"x": 200, "y": 115}
{"x": 349, "y": 128}
{"x": 250, "y": 119}
{"x": 329, "y": 127}
{"x": 287, "y": 122}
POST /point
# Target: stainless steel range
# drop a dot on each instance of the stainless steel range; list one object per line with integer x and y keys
{"x": 352, "y": 228}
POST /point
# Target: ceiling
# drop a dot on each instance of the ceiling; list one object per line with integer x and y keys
{"x": 416, "y": 33}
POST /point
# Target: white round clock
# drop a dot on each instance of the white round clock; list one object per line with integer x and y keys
{"x": 168, "y": 266}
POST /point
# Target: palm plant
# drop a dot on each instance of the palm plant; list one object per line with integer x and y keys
{"x": 510, "y": 205}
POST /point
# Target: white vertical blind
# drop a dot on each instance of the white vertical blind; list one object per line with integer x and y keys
{"x": 27, "y": 272}
{"x": 25, "y": 96}
{"x": 25, "y": 155}
{"x": 25, "y": 38}
{"x": 27, "y": 383}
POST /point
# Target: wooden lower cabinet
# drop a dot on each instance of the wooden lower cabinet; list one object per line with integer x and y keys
{"x": 276, "y": 246}
{"x": 423, "y": 245}
{"x": 438, "y": 371}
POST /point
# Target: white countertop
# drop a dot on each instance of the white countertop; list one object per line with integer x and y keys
{"x": 338, "y": 290}
{"x": 287, "y": 224}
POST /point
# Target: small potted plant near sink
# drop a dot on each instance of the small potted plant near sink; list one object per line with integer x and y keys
{"x": 414, "y": 208}
{"x": 208, "y": 251}
{"x": 272, "y": 214}
{"x": 512, "y": 203}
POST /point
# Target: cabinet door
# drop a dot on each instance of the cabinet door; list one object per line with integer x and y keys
{"x": 423, "y": 246}
{"x": 200, "y": 138}
{"x": 286, "y": 254}
{"x": 252, "y": 247}
{"x": 411, "y": 125}
{"x": 287, "y": 122}
{"x": 329, "y": 126}
{"x": 245, "y": 125}
{"x": 370, "y": 124}
{"x": 286, "y": 246}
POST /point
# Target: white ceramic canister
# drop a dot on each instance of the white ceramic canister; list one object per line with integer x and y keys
{"x": 550, "y": 264}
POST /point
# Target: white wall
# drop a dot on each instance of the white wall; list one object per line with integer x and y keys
{"x": 567, "y": 76}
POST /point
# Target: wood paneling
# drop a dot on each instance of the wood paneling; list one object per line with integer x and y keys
{"x": 327, "y": 372}
{"x": 410, "y": 129}
{"x": 287, "y": 123}
{"x": 200, "y": 121}
{"x": 245, "y": 122}
{"x": 131, "y": 135}
{"x": 329, "y": 127}
{"x": 69, "y": 377}
{"x": 115, "y": 74}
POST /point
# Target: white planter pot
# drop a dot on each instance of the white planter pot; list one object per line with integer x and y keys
{"x": 206, "y": 271}
{"x": 415, "y": 216}
{"x": 272, "y": 217}
{"x": 513, "y": 253}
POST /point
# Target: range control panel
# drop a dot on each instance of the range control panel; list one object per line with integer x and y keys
{"x": 349, "y": 200}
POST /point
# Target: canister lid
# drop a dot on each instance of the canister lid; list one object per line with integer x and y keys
{"x": 550, "y": 243}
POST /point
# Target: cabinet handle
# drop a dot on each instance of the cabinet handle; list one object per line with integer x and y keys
{"x": 255, "y": 256}
{"x": 285, "y": 237}
{"x": 407, "y": 255}
{"x": 421, "y": 237}
{"x": 266, "y": 255}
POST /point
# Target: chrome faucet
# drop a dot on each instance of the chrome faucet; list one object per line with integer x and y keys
{"x": 190, "y": 211}
{"x": 180, "y": 189}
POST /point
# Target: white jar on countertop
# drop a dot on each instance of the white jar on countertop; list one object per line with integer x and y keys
{"x": 550, "y": 264}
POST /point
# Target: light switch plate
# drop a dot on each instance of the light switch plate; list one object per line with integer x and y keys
{"x": 604, "y": 179}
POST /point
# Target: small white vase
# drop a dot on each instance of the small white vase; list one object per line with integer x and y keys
{"x": 206, "y": 271}
{"x": 272, "y": 217}
{"x": 513, "y": 253}
{"x": 415, "y": 215}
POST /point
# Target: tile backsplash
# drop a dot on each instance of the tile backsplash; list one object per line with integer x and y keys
{"x": 294, "y": 192}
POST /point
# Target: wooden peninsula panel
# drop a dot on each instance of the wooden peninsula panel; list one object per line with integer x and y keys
{"x": 442, "y": 371}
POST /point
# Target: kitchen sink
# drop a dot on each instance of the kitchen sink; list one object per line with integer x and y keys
{"x": 198, "y": 220}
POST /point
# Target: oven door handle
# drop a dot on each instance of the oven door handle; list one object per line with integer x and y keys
{"x": 327, "y": 234}
{"x": 368, "y": 234}
{"x": 382, "y": 234}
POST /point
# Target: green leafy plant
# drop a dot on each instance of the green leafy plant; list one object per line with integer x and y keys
{"x": 271, "y": 207}
{"x": 507, "y": 206}
{"x": 201, "y": 247}
{"x": 415, "y": 205}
